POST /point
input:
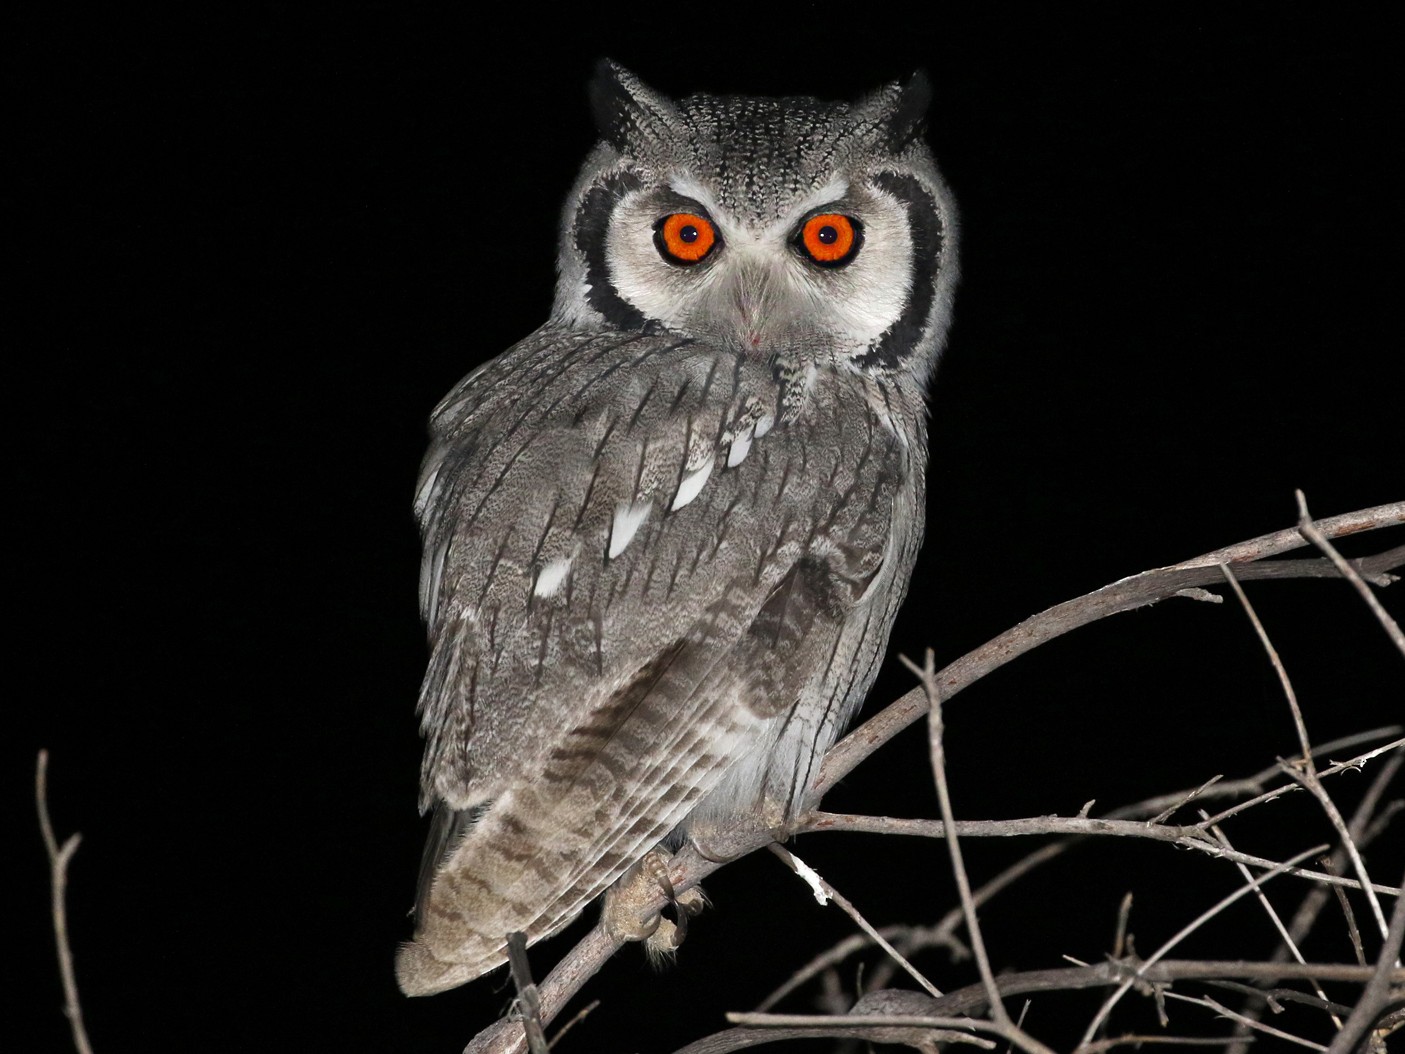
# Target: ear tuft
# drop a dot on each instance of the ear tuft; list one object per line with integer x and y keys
{"x": 609, "y": 99}
{"x": 624, "y": 105}
{"x": 907, "y": 115}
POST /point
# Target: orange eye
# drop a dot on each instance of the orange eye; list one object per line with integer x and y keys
{"x": 684, "y": 238}
{"x": 830, "y": 239}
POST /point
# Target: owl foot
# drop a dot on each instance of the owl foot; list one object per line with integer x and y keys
{"x": 627, "y": 916}
{"x": 723, "y": 842}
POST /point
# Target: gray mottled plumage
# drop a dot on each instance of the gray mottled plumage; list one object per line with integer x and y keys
{"x": 665, "y": 536}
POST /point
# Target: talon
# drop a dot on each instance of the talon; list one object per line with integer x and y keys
{"x": 681, "y": 908}
{"x": 628, "y": 899}
{"x": 626, "y": 902}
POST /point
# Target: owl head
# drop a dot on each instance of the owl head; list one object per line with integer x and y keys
{"x": 819, "y": 231}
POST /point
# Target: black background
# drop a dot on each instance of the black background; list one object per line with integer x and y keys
{"x": 255, "y": 247}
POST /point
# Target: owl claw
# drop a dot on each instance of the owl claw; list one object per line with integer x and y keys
{"x": 672, "y": 929}
{"x": 627, "y": 901}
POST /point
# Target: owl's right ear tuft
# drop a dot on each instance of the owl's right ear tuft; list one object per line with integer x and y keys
{"x": 899, "y": 110}
{"x": 908, "y": 119}
{"x": 625, "y": 107}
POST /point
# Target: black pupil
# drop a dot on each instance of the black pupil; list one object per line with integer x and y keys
{"x": 689, "y": 233}
{"x": 827, "y": 234}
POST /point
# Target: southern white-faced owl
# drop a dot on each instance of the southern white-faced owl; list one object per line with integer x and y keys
{"x": 666, "y": 535}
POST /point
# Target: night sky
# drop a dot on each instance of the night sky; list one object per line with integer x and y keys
{"x": 255, "y": 248}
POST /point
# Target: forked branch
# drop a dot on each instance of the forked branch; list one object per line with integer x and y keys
{"x": 59, "y": 859}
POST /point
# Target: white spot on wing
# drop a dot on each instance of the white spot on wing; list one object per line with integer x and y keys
{"x": 691, "y": 484}
{"x": 629, "y": 517}
{"x": 765, "y": 425}
{"x": 741, "y": 446}
{"x": 552, "y": 577}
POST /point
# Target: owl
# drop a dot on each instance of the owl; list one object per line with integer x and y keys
{"x": 666, "y": 535}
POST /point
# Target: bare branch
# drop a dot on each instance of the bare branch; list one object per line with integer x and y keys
{"x": 576, "y": 1019}
{"x": 528, "y": 999}
{"x": 1247, "y": 1022}
{"x": 955, "y": 1009}
{"x": 689, "y": 866}
{"x": 823, "y": 891}
{"x": 1377, "y": 996}
{"x": 1365, "y": 825}
{"x": 943, "y": 934}
{"x": 1332, "y": 770}
{"x": 972, "y": 998}
{"x": 1134, "y": 1040}
{"x": 1190, "y": 837}
{"x": 927, "y": 673}
{"x": 1353, "y": 930}
{"x": 1310, "y": 531}
{"x": 1170, "y": 810}
{"x": 1310, "y": 781}
{"x": 1125, "y": 595}
{"x": 1185, "y": 932}
{"x": 1343, "y": 526}
{"x": 1278, "y": 667}
{"x": 773, "y": 1028}
{"x": 1288, "y": 941}
{"x": 59, "y": 859}
{"x": 1307, "y": 773}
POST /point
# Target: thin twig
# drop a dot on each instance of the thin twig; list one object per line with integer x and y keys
{"x": 59, "y": 859}
{"x": 579, "y": 1016}
{"x": 528, "y": 998}
{"x": 823, "y": 888}
{"x": 927, "y": 673}
{"x": 1166, "y": 813}
{"x": 1287, "y": 937}
{"x": 1365, "y": 826}
{"x": 1378, "y": 992}
{"x": 1132, "y": 1039}
{"x": 1283, "y": 679}
{"x": 1314, "y": 786}
{"x": 1274, "y": 997}
{"x": 1189, "y": 837}
{"x": 1353, "y": 930}
{"x": 1278, "y": 792}
{"x": 1247, "y": 1022}
{"x": 1306, "y": 772}
{"x": 972, "y": 998}
{"x": 831, "y": 957}
{"x": 1309, "y": 530}
{"x": 955, "y": 1010}
{"x": 1185, "y": 932}
{"x": 1119, "y": 936}
{"x": 943, "y": 933}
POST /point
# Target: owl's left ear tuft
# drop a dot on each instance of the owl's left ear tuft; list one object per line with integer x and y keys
{"x": 624, "y": 106}
{"x": 909, "y": 119}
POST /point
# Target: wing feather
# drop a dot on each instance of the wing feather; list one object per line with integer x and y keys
{"x": 577, "y": 726}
